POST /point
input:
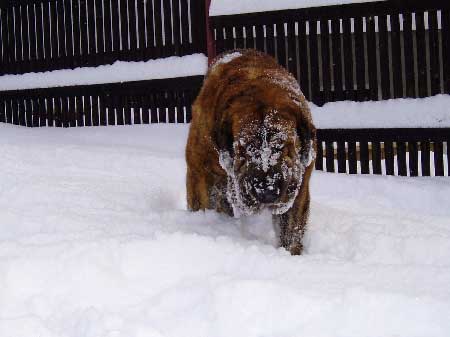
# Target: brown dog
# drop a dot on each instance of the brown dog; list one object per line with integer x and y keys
{"x": 251, "y": 144}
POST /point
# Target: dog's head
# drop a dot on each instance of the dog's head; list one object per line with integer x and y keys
{"x": 265, "y": 153}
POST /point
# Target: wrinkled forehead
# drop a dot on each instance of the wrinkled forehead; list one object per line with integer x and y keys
{"x": 270, "y": 128}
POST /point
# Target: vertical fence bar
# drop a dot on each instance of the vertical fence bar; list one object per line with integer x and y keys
{"x": 352, "y": 158}
{"x": 133, "y": 55}
{"x": 341, "y": 154}
{"x": 408, "y": 55}
{"x": 445, "y": 34}
{"x": 314, "y": 62}
{"x": 372, "y": 57}
{"x": 176, "y": 28}
{"x": 396, "y": 56}
{"x": 438, "y": 158}
{"x": 401, "y": 158}
{"x": 325, "y": 49}
{"x": 360, "y": 59}
{"x": 433, "y": 37}
{"x": 319, "y": 156}
{"x": 383, "y": 48}
{"x": 422, "y": 72}
{"x": 389, "y": 157}
{"x": 364, "y": 156}
{"x": 348, "y": 58}
{"x": 376, "y": 158}
{"x": 337, "y": 65}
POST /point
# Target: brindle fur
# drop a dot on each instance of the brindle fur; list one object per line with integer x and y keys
{"x": 230, "y": 97}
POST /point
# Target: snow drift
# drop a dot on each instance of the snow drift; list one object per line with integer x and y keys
{"x": 95, "y": 240}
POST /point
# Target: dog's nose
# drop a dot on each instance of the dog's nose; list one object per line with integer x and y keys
{"x": 267, "y": 196}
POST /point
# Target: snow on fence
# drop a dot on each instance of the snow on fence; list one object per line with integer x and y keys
{"x": 361, "y": 51}
{"x": 42, "y": 35}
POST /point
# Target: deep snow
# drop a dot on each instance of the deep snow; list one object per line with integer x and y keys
{"x": 95, "y": 240}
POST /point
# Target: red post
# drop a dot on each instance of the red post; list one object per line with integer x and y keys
{"x": 210, "y": 43}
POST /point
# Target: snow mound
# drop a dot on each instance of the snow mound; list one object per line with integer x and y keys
{"x": 95, "y": 240}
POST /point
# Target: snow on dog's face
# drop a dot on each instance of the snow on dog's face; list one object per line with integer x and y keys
{"x": 265, "y": 162}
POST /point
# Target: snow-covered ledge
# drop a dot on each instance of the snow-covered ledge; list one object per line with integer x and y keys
{"x": 430, "y": 112}
{"x": 229, "y": 7}
{"x": 119, "y": 71}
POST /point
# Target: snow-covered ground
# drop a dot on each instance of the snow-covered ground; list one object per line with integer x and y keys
{"x": 95, "y": 240}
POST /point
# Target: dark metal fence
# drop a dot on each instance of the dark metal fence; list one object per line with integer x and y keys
{"x": 153, "y": 101}
{"x": 366, "y": 51}
{"x": 40, "y": 35}
{"x": 404, "y": 152}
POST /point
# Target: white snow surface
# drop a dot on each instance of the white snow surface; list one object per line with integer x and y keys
{"x": 401, "y": 113}
{"x": 228, "y": 7}
{"x": 119, "y": 71}
{"x": 95, "y": 240}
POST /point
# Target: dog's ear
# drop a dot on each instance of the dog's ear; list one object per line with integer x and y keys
{"x": 224, "y": 137}
{"x": 307, "y": 136}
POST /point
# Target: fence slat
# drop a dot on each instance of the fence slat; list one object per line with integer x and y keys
{"x": 401, "y": 158}
{"x": 69, "y": 26}
{"x": 376, "y": 158}
{"x": 425, "y": 157}
{"x": 99, "y": 31}
{"x": 249, "y": 37}
{"x": 329, "y": 153}
{"x": 372, "y": 58}
{"x": 281, "y": 44}
{"x": 25, "y": 37}
{"x": 325, "y": 49}
{"x": 168, "y": 45}
{"x": 438, "y": 159}
{"x": 303, "y": 59}
{"x": 389, "y": 157}
{"x": 408, "y": 55}
{"x": 433, "y": 35}
{"x": 348, "y": 58}
{"x": 337, "y": 60}
{"x": 364, "y": 157}
{"x": 259, "y": 38}
{"x": 132, "y": 30}
{"x": 176, "y": 27}
{"x": 413, "y": 155}
{"x": 384, "y": 57}
{"x": 445, "y": 20}
{"x": 319, "y": 156}
{"x": 314, "y": 62}
{"x": 422, "y": 76}
{"x": 270, "y": 40}
{"x": 396, "y": 56}
{"x": 360, "y": 60}
{"x": 79, "y": 114}
{"x": 184, "y": 27}
{"x": 352, "y": 159}
{"x": 239, "y": 37}
{"x": 342, "y": 167}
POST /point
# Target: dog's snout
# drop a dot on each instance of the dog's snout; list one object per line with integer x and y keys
{"x": 267, "y": 189}
{"x": 267, "y": 196}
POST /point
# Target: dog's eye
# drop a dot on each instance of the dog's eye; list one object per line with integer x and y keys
{"x": 228, "y": 141}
